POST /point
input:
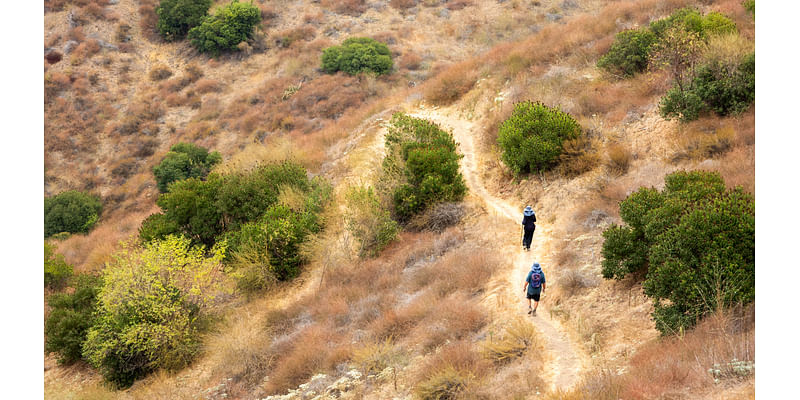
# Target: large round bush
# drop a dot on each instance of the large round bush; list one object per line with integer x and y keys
{"x": 532, "y": 138}
{"x": 358, "y": 55}
{"x": 70, "y": 211}
{"x": 629, "y": 53}
{"x": 176, "y": 17}
{"x": 224, "y": 30}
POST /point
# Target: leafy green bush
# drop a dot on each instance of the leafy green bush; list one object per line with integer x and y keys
{"x": 358, "y": 55}
{"x": 71, "y": 316}
{"x": 184, "y": 160}
{"x": 696, "y": 242}
{"x": 190, "y": 205}
{"x": 629, "y": 53}
{"x": 690, "y": 19}
{"x": 151, "y": 309}
{"x": 714, "y": 88}
{"x": 56, "y": 270}
{"x": 531, "y": 139}
{"x": 369, "y": 223}
{"x": 422, "y": 165}
{"x": 176, "y": 17}
{"x": 71, "y": 211}
{"x": 224, "y": 30}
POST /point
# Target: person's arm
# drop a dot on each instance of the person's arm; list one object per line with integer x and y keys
{"x": 525, "y": 288}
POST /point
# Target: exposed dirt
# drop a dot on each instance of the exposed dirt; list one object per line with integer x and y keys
{"x": 566, "y": 359}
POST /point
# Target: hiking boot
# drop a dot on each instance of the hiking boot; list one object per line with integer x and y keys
{"x": 534, "y": 312}
{"x": 530, "y": 311}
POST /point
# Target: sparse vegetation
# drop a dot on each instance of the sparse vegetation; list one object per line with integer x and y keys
{"x": 223, "y": 31}
{"x": 184, "y": 160}
{"x": 368, "y": 221}
{"x": 357, "y": 55}
{"x": 532, "y": 138}
{"x": 71, "y": 211}
{"x": 696, "y": 243}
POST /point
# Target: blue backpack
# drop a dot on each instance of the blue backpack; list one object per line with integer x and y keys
{"x": 536, "y": 280}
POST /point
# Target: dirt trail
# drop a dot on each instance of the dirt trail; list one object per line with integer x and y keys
{"x": 506, "y": 299}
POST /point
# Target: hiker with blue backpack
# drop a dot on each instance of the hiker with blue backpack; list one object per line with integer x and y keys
{"x": 528, "y": 226}
{"x": 534, "y": 286}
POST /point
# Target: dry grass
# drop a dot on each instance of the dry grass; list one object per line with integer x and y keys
{"x": 452, "y": 83}
{"x": 518, "y": 337}
{"x": 347, "y": 7}
{"x": 618, "y": 158}
{"x": 705, "y": 138}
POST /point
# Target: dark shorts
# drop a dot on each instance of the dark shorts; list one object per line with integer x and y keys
{"x": 535, "y": 297}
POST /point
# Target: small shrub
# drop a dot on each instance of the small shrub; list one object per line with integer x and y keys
{"x": 159, "y": 72}
{"x": 357, "y": 55}
{"x": 518, "y": 338}
{"x": 368, "y": 221}
{"x": 619, "y": 158}
{"x": 452, "y": 83}
{"x": 70, "y": 211}
{"x": 177, "y": 17}
{"x": 577, "y": 157}
{"x": 151, "y": 309}
{"x": 750, "y": 5}
{"x": 629, "y": 53}
{"x": 445, "y": 384}
{"x": 438, "y": 218}
{"x": 56, "y": 270}
{"x": 228, "y": 27}
{"x": 347, "y": 7}
{"x": 532, "y": 139}
{"x": 184, "y": 160}
{"x": 70, "y": 318}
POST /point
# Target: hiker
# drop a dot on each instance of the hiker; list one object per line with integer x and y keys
{"x": 528, "y": 226}
{"x": 534, "y": 286}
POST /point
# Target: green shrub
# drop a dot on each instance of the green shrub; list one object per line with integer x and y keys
{"x": 358, "y": 55}
{"x": 369, "y": 223}
{"x": 696, "y": 242}
{"x": 151, "y": 309}
{"x": 715, "y": 23}
{"x": 56, "y": 270}
{"x": 629, "y": 53}
{"x": 184, "y": 160}
{"x": 714, "y": 88}
{"x": 224, "y": 30}
{"x": 190, "y": 205}
{"x": 422, "y": 165}
{"x": 176, "y": 17}
{"x": 531, "y": 139}
{"x": 690, "y": 19}
{"x": 157, "y": 227}
{"x": 71, "y": 211}
{"x": 71, "y": 316}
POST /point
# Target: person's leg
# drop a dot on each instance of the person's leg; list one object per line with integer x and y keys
{"x": 535, "y": 301}
{"x": 529, "y": 304}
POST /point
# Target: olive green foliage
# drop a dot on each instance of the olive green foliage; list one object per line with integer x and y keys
{"x": 421, "y": 166}
{"x": 714, "y": 88}
{"x": 203, "y": 210}
{"x": 71, "y": 211}
{"x": 368, "y": 221}
{"x": 71, "y": 316}
{"x": 445, "y": 384}
{"x": 531, "y": 139}
{"x": 244, "y": 209}
{"x": 56, "y": 270}
{"x": 176, "y": 17}
{"x": 632, "y": 49}
{"x": 152, "y": 308}
{"x": 358, "y": 55}
{"x": 690, "y": 19}
{"x": 184, "y": 160}
{"x": 268, "y": 249}
{"x": 629, "y": 53}
{"x": 695, "y": 241}
{"x": 229, "y": 26}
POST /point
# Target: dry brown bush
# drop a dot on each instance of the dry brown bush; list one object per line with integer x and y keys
{"x": 449, "y": 85}
{"x": 459, "y": 355}
{"x": 159, "y": 72}
{"x": 618, "y": 158}
{"x": 410, "y": 61}
{"x": 519, "y": 337}
{"x": 352, "y": 8}
{"x": 573, "y": 280}
{"x": 458, "y": 4}
{"x": 148, "y": 19}
{"x": 704, "y": 138}
{"x": 53, "y": 57}
{"x": 402, "y": 5}
{"x": 578, "y": 156}
{"x": 205, "y": 85}
{"x": 438, "y": 218}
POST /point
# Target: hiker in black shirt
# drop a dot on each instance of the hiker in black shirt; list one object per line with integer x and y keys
{"x": 528, "y": 224}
